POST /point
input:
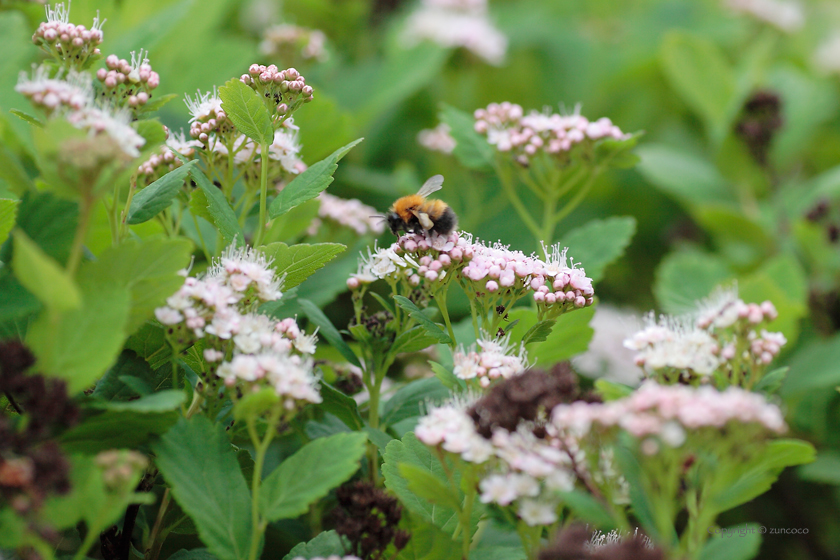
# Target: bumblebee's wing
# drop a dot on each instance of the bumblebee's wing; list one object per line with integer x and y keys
{"x": 433, "y": 184}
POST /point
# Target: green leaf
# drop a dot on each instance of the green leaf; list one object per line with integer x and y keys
{"x": 147, "y": 270}
{"x": 824, "y": 470}
{"x": 8, "y": 212}
{"x": 340, "y": 405}
{"x": 431, "y": 328}
{"x": 294, "y": 225}
{"x": 42, "y": 276}
{"x": 200, "y": 465}
{"x": 642, "y": 507}
{"x": 80, "y": 345}
{"x": 539, "y": 332}
{"x": 325, "y": 544}
{"x": 587, "y": 508}
{"x": 447, "y": 378}
{"x": 150, "y": 344}
{"x": 158, "y": 102}
{"x": 599, "y": 242}
{"x": 428, "y": 542}
{"x": 689, "y": 178}
{"x": 310, "y": 183}
{"x": 741, "y": 543}
{"x": 412, "y": 340}
{"x": 410, "y": 401}
{"x": 772, "y": 382}
{"x": 162, "y": 401}
{"x": 611, "y": 391}
{"x": 153, "y": 199}
{"x": 300, "y": 261}
{"x": 701, "y": 75}
{"x": 244, "y": 107}
{"x": 424, "y": 484}
{"x": 409, "y": 450}
{"x": 741, "y": 240}
{"x": 471, "y": 149}
{"x": 758, "y": 476}
{"x": 310, "y": 474}
{"x": 129, "y": 366}
{"x": 255, "y": 404}
{"x": 387, "y": 305}
{"x": 685, "y": 277}
{"x": 328, "y": 331}
{"x": 116, "y": 430}
{"x": 47, "y": 220}
{"x": 219, "y": 211}
{"x": 814, "y": 367}
{"x": 569, "y": 337}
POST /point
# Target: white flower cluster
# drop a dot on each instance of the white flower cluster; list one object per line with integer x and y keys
{"x": 286, "y": 39}
{"x": 668, "y": 413}
{"x": 522, "y": 468}
{"x": 99, "y": 119}
{"x": 74, "y": 92}
{"x": 508, "y": 129}
{"x": 242, "y": 346}
{"x": 457, "y": 23}
{"x": 607, "y": 357}
{"x": 497, "y": 359}
{"x": 722, "y": 335}
{"x": 208, "y": 120}
{"x": 437, "y": 139}
{"x": 351, "y": 213}
{"x": 787, "y": 16}
{"x": 827, "y": 55}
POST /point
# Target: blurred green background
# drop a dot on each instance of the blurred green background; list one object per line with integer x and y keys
{"x": 681, "y": 71}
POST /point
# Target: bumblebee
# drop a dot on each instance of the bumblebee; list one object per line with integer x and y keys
{"x": 415, "y": 214}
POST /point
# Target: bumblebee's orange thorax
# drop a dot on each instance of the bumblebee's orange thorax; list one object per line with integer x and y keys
{"x": 404, "y": 206}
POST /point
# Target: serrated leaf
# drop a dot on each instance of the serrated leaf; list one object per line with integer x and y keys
{"x": 431, "y": 328}
{"x": 112, "y": 387}
{"x": 599, "y": 242}
{"x": 42, "y": 276}
{"x": 449, "y": 379}
{"x": 310, "y": 474}
{"x": 341, "y": 406}
{"x": 587, "y": 508}
{"x": 47, "y": 220}
{"x": 310, "y": 183}
{"x": 247, "y": 111}
{"x": 428, "y": 542}
{"x": 384, "y": 302}
{"x": 412, "y": 340}
{"x": 158, "y": 102}
{"x": 409, "y": 401}
{"x": 200, "y": 465}
{"x": 153, "y": 199}
{"x": 162, "y": 401}
{"x": 471, "y": 149}
{"x": 255, "y": 404}
{"x": 116, "y": 430}
{"x": 299, "y": 262}
{"x": 772, "y": 382}
{"x": 824, "y": 470}
{"x": 219, "y": 211}
{"x": 324, "y": 545}
{"x": 8, "y": 213}
{"x": 427, "y": 486}
{"x": 34, "y": 121}
{"x": 539, "y": 332}
{"x": 739, "y": 543}
{"x": 688, "y": 177}
{"x": 328, "y": 331}
{"x": 569, "y": 337}
{"x": 685, "y": 277}
{"x": 13, "y": 173}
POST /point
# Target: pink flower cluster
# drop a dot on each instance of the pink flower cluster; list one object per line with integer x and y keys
{"x": 669, "y": 413}
{"x": 165, "y": 160}
{"x": 104, "y": 120}
{"x": 207, "y": 117}
{"x": 450, "y": 427}
{"x": 75, "y": 45}
{"x": 351, "y": 213}
{"x": 497, "y": 359}
{"x": 73, "y": 93}
{"x": 286, "y": 89}
{"x": 508, "y": 129}
{"x": 128, "y": 82}
{"x": 437, "y": 139}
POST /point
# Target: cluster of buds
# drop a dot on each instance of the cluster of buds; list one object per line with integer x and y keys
{"x": 525, "y": 136}
{"x": 128, "y": 82}
{"x": 208, "y": 121}
{"x": 496, "y": 359}
{"x": 350, "y": 213}
{"x": 287, "y": 42}
{"x": 437, "y": 139}
{"x": 121, "y": 468}
{"x": 723, "y": 337}
{"x": 73, "y": 92}
{"x": 241, "y": 347}
{"x": 283, "y": 91}
{"x": 165, "y": 160}
{"x": 75, "y": 46}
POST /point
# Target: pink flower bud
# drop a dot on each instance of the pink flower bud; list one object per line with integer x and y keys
{"x": 550, "y": 298}
{"x": 580, "y": 301}
{"x": 282, "y": 109}
{"x": 769, "y": 310}
{"x": 539, "y": 297}
{"x": 491, "y": 286}
{"x": 306, "y": 90}
{"x": 143, "y": 97}
{"x": 353, "y": 283}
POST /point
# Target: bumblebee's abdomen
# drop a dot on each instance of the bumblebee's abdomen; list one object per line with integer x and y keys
{"x": 442, "y": 216}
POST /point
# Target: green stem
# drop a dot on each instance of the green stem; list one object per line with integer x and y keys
{"x": 263, "y": 194}
{"x": 174, "y": 361}
{"x": 155, "y": 539}
{"x": 79, "y": 239}
{"x": 467, "y": 511}
{"x": 517, "y": 203}
{"x": 261, "y": 445}
{"x": 578, "y": 198}
{"x": 201, "y": 238}
{"x": 90, "y": 540}
{"x": 124, "y": 216}
{"x": 549, "y": 222}
{"x": 440, "y": 298}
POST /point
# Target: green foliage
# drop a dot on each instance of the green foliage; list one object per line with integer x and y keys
{"x": 428, "y": 542}
{"x": 687, "y": 177}
{"x": 599, "y": 243}
{"x": 310, "y": 183}
{"x": 153, "y": 199}
{"x": 325, "y": 544}
{"x": 328, "y": 331}
{"x": 309, "y": 474}
{"x": 471, "y": 149}
{"x": 8, "y": 213}
{"x": 686, "y": 277}
{"x": 247, "y": 111}
{"x": 412, "y": 400}
{"x": 430, "y": 327}
{"x": 298, "y": 262}
{"x": 340, "y": 405}
{"x": 218, "y": 209}
{"x": 218, "y": 501}
{"x": 741, "y": 544}
{"x": 42, "y": 276}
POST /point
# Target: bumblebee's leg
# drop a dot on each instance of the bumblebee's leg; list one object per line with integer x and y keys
{"x": 424, "y": 220}
{"x": 446, "y": 222}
